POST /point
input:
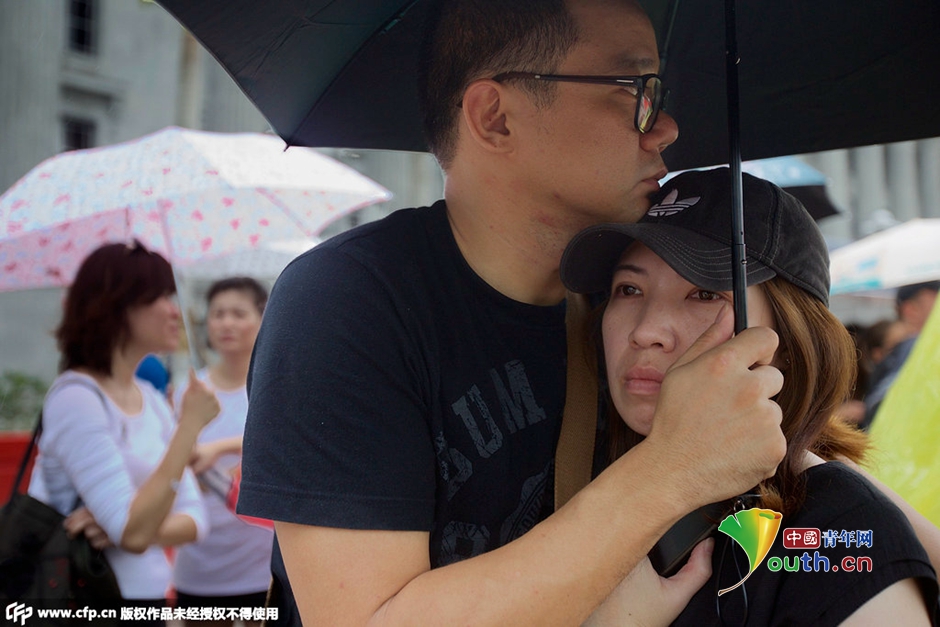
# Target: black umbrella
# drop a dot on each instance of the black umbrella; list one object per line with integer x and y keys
{"x": 812, "y": 75}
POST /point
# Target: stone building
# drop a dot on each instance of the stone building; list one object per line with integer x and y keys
{"x": 84, "y": 73}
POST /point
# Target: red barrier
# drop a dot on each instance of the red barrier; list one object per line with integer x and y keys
{"x": 12, "y": 446}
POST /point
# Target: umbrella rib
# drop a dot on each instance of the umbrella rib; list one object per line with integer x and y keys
{"x": 287, "y": 211}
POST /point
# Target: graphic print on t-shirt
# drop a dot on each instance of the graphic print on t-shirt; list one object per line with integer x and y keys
{"x": 512, "y": 407}
{"x": 518, "y": 405}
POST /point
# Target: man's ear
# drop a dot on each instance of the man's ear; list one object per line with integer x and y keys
{"x": 485, "y": 113}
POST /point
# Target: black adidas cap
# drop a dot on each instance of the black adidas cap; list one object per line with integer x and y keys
{"x": 689, "y": 227}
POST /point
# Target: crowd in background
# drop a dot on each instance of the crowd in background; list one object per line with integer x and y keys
{"x": 883, "y": 347}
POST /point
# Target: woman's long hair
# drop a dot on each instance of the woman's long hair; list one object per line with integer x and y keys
{"x": 819, "y": 372}
{"x": 111, "y": 280}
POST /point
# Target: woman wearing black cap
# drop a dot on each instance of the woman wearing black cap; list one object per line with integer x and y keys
{"x": 668, "y": 278}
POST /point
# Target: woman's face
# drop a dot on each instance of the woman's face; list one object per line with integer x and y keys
{"x": 653, "y": 316}
{"x": 155, "y": 327}
{"x": 233, "y": 322}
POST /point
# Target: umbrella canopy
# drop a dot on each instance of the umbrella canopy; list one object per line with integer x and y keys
{"x": 813, "y": 75}
{"x": 901, "y": 255}
{"x": 190, "y": 195}
{"x": 264, "y": 262}
{"x": 800, "y": 179}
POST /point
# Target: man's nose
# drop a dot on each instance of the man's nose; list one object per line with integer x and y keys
{"x": 662, "y": 135}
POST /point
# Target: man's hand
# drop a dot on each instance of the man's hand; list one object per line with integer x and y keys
{"x": 644, "y": 598}
{"x": 716, "y": 426}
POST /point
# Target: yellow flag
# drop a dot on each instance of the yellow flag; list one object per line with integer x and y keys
{"x": 905, "y": 434}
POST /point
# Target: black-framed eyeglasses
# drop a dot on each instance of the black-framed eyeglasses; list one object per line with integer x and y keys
{"x": 648, "y": 89}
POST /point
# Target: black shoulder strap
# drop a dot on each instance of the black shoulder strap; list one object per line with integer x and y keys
{"x": 25, "y": 461}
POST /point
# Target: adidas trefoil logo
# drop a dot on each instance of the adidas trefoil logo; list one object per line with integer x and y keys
{"x": 670, "y": 206}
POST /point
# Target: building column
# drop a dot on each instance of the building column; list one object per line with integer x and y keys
{"x": 873, "y": 212}
{"x": 928, "y": 160}
{"x": 29, "y": 77}
{"x": 191, "y": 93}
{"x": 902, "y": 176}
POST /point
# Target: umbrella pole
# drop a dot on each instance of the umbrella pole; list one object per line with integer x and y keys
{"x": 194, "y": 360}
{"x": 738, "y": 251}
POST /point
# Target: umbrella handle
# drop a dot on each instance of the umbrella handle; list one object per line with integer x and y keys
{"x": 190, "y": 337}
{"x": 738, "y": 250}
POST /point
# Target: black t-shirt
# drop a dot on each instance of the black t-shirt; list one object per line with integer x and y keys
{"x": 838, "y": 499}
{"x": 392, "y": 388}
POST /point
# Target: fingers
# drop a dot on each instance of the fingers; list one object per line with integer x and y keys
{"x": 716, "y": 419}
{"x": 199, "y": 401}
{"x": 697, "y": 570}
{"x": 76, "y": 522}
{"x": 196, "y": 460}
{"x": 720, "y": 331}
{"x": 97, "y": 537}
{"x": 81, "y": 521}
{"x": 201, "y": 461}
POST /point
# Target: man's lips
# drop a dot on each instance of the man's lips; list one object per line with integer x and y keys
{"x": 655, "y": 178}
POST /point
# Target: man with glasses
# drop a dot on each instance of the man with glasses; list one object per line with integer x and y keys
{"x": 408, "y": 382}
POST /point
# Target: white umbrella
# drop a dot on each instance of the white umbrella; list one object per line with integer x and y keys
{"x": 190, "y": 195}
{"x": 901, "y": 255}
{"x": 264, "y": 262}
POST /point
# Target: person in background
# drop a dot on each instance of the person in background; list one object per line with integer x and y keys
{"x": 881, "y": 338}
{"x": 853, "y": 409}
{"x": 230, "y": 567}
{"x": 668, "y": 277}
{"x": 152, "y": 370}
{"x": 913, "y": 304}
{"x": 109, "y": 441}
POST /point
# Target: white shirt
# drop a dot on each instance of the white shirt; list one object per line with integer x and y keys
{"x": 235, "y": 557}
{"x": 92, "y": 449}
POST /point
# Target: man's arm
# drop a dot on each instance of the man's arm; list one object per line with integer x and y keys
{"x": 559, "y": 571}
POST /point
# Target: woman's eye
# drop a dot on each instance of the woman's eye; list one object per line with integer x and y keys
{"x": 627, "y": 290}
{"x": 706, "y": 295}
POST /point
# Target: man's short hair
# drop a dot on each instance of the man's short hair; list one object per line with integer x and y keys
{"x": 471, "y": 39}
{"x": 907, "y": 292}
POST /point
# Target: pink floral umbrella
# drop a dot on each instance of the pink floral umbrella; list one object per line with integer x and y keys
{"x": 191, "y": 195}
